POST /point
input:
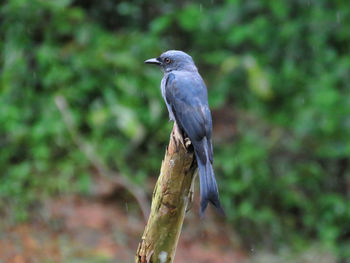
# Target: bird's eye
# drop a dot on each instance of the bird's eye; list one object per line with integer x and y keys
{"x": 167, "y": 60}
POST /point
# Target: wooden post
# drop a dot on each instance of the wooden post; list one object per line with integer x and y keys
{"x": 171, "y": 196}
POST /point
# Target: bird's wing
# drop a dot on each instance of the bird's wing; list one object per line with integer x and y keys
{"x": 183, "y": 95}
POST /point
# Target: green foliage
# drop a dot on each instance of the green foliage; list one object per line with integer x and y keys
{"x": 281, "y": 67}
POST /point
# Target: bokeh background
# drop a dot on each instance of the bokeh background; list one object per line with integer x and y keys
{"x": 83, "y": 127}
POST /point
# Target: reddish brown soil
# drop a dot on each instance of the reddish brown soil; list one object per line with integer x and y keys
{"x": 86, "y": 229}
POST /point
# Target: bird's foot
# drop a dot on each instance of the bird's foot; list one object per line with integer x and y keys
{"x": 191, "y": 193}
{"x": 187, "y": 142}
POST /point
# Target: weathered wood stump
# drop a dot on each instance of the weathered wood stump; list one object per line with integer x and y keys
{"x": 171, "y": 196}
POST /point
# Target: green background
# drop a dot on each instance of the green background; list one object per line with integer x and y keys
{"x": 278, "y": 75}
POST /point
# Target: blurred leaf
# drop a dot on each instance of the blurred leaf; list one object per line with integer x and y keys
{"x": 258, "y": 80}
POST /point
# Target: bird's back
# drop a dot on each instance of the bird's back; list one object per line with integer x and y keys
{"x": 190, "y": 87}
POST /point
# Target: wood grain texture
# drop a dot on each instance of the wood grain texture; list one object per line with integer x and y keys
{"x": 171, "y": 196}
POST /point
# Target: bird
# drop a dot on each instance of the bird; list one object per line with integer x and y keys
{"x": 186, "y": 97}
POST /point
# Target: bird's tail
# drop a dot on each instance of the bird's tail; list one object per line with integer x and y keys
{"x": 208, "y": 187}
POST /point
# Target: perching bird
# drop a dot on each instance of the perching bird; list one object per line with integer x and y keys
{"x": 186, "y": 98}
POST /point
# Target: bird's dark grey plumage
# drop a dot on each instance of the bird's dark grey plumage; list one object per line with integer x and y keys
{"x": 185, "y": 95}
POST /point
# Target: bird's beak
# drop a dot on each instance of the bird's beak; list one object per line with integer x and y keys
{"x": 153, "y": 61}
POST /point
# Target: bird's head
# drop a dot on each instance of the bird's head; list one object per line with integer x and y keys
{"x": 173, "y": 60}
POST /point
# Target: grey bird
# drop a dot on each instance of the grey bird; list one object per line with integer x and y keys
{"x": 186, "y": 98}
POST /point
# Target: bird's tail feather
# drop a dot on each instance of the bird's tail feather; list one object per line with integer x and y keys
{"x": 208, "y": 187}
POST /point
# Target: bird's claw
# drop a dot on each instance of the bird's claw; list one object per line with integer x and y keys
{"x": 187, "y": 142}
{"x": 191, "y": 193}
{"x": 190, "y": 200}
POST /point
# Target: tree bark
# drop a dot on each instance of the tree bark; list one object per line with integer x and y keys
{"x": 171, "y": 196}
